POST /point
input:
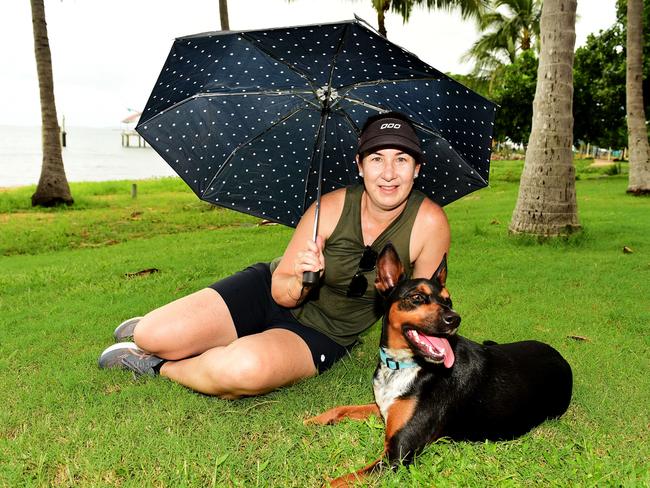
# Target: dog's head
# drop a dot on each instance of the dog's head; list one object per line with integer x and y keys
{"x": 419, "y": 312}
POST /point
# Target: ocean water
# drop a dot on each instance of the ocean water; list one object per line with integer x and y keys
{"x": 92, "y": 154}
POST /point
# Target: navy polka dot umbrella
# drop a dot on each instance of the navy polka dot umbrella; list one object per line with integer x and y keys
{"x": 265, "y": 121}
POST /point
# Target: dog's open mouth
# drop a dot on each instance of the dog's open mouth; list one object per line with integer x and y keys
{"x": 431, "y": 348}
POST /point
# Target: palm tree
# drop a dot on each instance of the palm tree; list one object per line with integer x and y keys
{"x": 546, "y": 205}
{"x": 223, "y": 14}
{"x": 468, "y": 8}
{"x": 637, "y": 135}
{"x": 381, "y": 6}
{"x": 53, "y": 188}
{"x": 506, "y": 34}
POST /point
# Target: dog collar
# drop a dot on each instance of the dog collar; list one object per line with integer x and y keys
{"x": 392, "y": 363}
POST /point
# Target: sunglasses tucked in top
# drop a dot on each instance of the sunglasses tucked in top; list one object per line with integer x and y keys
{"x": 359, "y": 284}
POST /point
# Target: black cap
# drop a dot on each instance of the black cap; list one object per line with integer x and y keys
{"x": 390, "y": 132}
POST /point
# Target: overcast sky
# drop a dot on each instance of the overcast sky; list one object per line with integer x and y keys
{"x": 107, "y": 54}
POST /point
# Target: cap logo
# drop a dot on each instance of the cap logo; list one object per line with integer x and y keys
{"x": 390, "y": 126}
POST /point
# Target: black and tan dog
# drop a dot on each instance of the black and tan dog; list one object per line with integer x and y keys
{"x": 432, "y": 383}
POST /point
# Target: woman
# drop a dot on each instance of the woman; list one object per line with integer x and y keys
{"x": 260, "y": 328}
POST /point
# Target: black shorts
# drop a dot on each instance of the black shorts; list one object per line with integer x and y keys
{"x": 248, "y": 296}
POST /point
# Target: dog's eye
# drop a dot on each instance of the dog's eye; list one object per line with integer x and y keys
{"x": 418, "y": 299}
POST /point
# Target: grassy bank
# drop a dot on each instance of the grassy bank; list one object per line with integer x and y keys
{"x": 65, "y": 285}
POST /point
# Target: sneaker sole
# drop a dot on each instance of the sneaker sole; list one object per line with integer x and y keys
{"x": 125, "y": 329}
{"x": 111, "y": 357}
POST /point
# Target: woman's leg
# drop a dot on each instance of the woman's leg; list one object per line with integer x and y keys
{"x": 250, "y": 365}
{"x": 186, "y": 327}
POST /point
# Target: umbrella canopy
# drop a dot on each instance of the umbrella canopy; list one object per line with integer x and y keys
{"x": 263, "y": 121}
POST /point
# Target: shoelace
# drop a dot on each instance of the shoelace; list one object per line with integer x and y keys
{"x": 142, "y": 365}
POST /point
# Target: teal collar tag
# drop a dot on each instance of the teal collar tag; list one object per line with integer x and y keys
{"x": 392, "y": 363}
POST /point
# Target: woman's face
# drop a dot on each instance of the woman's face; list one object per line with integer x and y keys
{"x": 388, "y": 176}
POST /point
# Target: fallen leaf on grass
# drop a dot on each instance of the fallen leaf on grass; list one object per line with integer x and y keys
{"x": 110, "y": 242}
{"x": 627, "y": 250}
{"x": 579, "y": 338}
{"x": 495, "y": 222}
{"x": 142, "y": 272}
{"x": 135, "y": 215}
{"x": 267, "y": 222}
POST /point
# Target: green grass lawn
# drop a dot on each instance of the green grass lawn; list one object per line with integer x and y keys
{"x": 64, "y": 287}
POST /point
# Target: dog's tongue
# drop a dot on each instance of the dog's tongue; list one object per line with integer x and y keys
{"x": 441, "y": 345}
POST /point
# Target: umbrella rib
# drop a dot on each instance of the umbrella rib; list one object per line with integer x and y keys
{"x": 363, "y": 84}
{"x": 347, "y": 117}
{"x": 221, "y": 94}
{"x": 259, "y": 92}
{"x": 356, "y": 130}
{"x": 380, "y": 109}
{"x": 464, "y": 162}
{"x": 339, "y": 48}
{"x": 247, "y": 142}
{"x": 270, "y": 54}
{"x": 299, "y": 94}
{"x": 164, "y": 111}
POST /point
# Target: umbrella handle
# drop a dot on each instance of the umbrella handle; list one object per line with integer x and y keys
{"x": 310, "y": 278}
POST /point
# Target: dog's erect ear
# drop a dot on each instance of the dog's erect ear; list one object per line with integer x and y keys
{"x": 390, "y": 269}
{"x": 441, "y": 273}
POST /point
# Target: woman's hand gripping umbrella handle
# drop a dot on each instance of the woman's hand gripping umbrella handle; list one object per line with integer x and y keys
{"x": 310, "y": 278}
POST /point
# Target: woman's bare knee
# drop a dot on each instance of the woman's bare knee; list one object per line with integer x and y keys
{"x": 254, "y": 375}
{"x": 247, "y": 374}
{"x": 253, "y": 371}
{"x": 186, "y": 327}
{"x": 151, "y": 335}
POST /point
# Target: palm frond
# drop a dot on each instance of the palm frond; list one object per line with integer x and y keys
{"x": 509, "y": 27}
{"x": 468, "y": 8}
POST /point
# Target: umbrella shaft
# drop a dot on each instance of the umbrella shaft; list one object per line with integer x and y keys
{"x": 321, "y": 155}
{"x": 316, "y": 217}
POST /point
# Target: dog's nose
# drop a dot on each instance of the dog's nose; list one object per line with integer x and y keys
{"x": 451, "y": 319}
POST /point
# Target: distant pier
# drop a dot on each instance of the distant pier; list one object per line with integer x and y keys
{"x": 128, "y": 131}
{"x": 127, "y": 134}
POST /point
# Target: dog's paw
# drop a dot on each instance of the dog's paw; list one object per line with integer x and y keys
{"x": 334, "y": 415}
{"x": 325, "y": 418}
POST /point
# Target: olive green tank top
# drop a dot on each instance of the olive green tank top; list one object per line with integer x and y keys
{"x": 327, "y": 308}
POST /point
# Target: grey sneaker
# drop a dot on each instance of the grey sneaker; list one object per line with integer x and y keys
{"x": 126, "y": 355}
{"x": 124, "y": 331}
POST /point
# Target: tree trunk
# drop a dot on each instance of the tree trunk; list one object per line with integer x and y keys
{"x": 381, "y": 6}
{"x": 223, "y": 14}
{"x": 53, "y": 187}
{"x": 546, "y": 205}
{"x": 525, "y": 40}
{"x": 637, "y": 135}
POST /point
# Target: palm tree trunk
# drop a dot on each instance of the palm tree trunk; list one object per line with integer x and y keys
{"x": 223, "y": 14}
{"x": 525, "y": 40}
{"x": 546, "y": 205}
{"x": 53, "y": 187}
{"x": 637, "y": 135}
{"x": 381, "y": 6}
